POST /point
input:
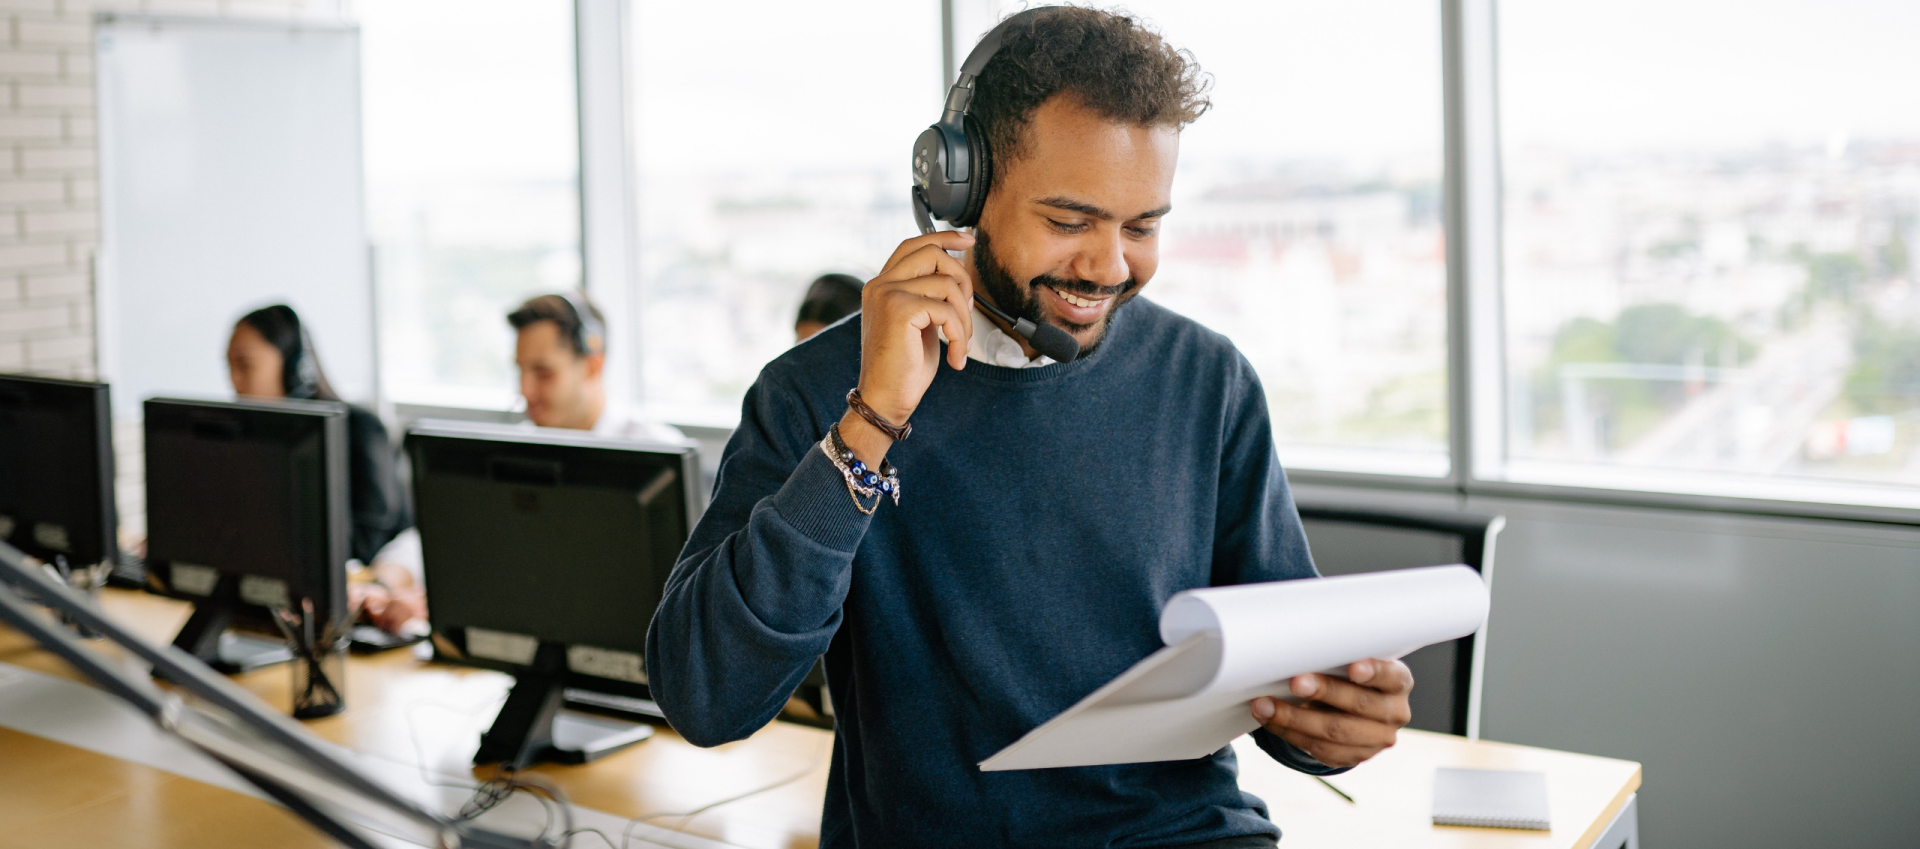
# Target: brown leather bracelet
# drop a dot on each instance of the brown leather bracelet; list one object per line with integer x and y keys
{"x": 898, "y": 432}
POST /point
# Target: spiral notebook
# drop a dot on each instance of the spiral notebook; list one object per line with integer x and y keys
{"x": 1490, "y": 798}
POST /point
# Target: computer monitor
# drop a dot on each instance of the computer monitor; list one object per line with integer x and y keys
{"x": 247, "y": 512}
{"x": 56, "y": 472}
{"x": 546, "y": 553}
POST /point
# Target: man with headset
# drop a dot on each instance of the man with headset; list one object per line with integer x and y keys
{"x": 561, "y": 351}
{"x": 560, "y": 348}
{"x": 1066, "y": 471}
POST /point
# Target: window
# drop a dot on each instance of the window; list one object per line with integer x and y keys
{"x": 472, "y": 184}
{"x": 766, "y": 157}
{"x": 1689, "y": 259}
{"x": 1307, "y": 220}
{"x": 1710, "y": 222}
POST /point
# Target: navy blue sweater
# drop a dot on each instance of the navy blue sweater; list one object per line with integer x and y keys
{"x": 1047, "y": 515}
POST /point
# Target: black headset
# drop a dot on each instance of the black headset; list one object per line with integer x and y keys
{"x": 952, "y": 170}
{"x": 589, "y": 335}
{"x": 952, "y": 167}
{"x": 299, "y": 371}
{"x": 303, "y": 373}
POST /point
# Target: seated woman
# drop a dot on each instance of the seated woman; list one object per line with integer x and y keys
{"x": 271, "y": 356}
{"x": 830, "y": 297}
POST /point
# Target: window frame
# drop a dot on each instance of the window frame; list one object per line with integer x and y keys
{"x": 1476, "y": 369}
{"x": 1476, "y": 341}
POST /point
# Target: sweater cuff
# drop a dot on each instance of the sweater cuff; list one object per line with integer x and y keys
{"x": 1291, "y": 755}
{"x": 815, "y": 501}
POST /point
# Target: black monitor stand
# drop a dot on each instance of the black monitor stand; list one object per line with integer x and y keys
{"x": 206, "y": 635}
{"x": 531, "y": 727}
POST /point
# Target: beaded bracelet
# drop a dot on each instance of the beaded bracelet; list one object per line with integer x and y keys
{"x": 862, "y": 482}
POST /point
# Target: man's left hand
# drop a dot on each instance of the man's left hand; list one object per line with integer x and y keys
{"x": 1342, "y": 723}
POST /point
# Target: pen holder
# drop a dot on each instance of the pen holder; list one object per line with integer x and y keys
{"x": 319, "y": 680}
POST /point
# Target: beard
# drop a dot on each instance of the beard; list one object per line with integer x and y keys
{"x": 1023, "y": 301}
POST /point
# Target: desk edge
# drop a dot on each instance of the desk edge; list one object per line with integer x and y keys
{"x": 1600, "y": 823}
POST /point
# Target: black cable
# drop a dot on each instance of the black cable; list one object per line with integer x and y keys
{"x": 602, "y": 834}
{"x": 539, "y": 786}
{"x": 495, "y": 791}
{"x": 486, "y": 796}
{"x": 311, "y": 650}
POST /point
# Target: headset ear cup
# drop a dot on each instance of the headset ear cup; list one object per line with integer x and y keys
{"x": 981, "y": 158}
{"x": 303, "y": 373}
{"x": 306, "y": 378}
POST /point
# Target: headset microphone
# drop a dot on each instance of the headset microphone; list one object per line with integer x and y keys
{"x": 952, "y": 169}
{"x": 1045, "y": 338}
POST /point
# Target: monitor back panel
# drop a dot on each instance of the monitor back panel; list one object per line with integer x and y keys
{"x": 249, "y": 490}
{"x": 56, "y": 469}
{"x": 564, "y": 543}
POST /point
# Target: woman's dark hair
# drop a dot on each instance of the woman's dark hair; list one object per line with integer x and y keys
{"x": 300, "y": 372}
{"x": 830, "y": 298}
{"x": 1111, "y": 61}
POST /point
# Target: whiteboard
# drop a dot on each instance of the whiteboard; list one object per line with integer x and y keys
{"x": 230, "y": 179}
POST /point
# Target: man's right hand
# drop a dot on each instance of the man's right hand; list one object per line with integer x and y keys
{"x": 922, "y": 291}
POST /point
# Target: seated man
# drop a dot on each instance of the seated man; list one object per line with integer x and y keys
{"x": 1042, "y": 513}
{"x": 562, "y": 354}
{"x": 561, "y": 350}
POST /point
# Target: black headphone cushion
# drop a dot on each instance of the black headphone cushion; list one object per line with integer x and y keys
{"x": 980, "y": 156}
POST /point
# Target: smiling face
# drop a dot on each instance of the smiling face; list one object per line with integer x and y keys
{"x": 1071, "y": 229}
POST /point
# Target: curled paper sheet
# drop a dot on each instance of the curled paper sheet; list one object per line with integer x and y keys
{"x": 1229, "y": 645}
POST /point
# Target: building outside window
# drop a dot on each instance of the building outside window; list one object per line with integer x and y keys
{"x": 472, "y": 184}
{"x": 1710, "y": 245}
{"x": 1307, "y": 220}
{"x": 765, "y": 158}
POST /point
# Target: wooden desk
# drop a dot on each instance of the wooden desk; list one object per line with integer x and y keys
{"x": 1393, "y": 796}
{"x": 62, "y": 796}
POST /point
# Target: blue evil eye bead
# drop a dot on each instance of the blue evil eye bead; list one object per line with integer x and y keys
{"x": 886, "y": 486}
{"x": 870, "y": 479}
{"x": 859, "y": 468}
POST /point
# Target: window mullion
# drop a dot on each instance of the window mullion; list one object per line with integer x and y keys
{"x": 608, "y": 256}
{"x": 1475, "y": 426}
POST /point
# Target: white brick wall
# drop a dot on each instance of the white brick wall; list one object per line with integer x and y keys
{"x": 49, "y": 188}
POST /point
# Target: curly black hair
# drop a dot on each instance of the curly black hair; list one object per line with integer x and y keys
{"x": 1110, "y": 60}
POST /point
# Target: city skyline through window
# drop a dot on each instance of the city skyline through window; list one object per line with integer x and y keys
{"x": 1307, "y": 221}
{"x": 1710, "y": 264}
{"x": 765, "y": 161}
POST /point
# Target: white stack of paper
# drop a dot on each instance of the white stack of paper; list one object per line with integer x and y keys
{"x": 1229, "y": 645}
